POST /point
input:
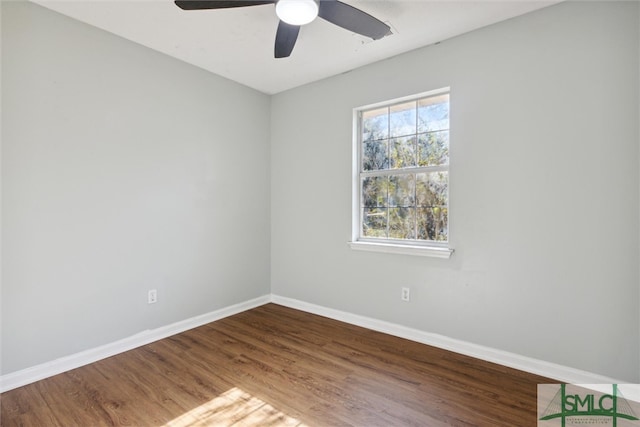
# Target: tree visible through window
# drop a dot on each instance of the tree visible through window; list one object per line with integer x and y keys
{"x": 403, "y": 162}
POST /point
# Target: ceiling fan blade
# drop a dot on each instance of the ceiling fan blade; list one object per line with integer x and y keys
{"x": 286, "y": 37}
{"x": 352, "y": 19}
{"x": 218, "y": 4}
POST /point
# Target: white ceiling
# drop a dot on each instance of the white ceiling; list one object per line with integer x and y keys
{"x": 238, "y": 43}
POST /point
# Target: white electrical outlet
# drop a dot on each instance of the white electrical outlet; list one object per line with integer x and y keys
{"x": 406, "y": 294}
{"x": 152, "y": 296}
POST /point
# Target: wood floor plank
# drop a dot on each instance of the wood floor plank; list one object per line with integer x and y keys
{"x": 275, "y": 366}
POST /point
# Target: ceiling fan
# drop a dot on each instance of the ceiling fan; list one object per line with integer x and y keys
{"x": 295, "y": 13}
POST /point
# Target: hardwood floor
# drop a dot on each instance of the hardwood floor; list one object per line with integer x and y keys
{"x": 278, "y": 366}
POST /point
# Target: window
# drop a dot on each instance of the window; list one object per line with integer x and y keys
{"x": 401, "y": 176}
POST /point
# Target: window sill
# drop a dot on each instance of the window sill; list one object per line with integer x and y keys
{"x": 430, "y": 251}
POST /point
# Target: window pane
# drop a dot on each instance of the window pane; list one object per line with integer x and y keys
{"x": 398, "y": 200}
{"x": 432, "y": 189}
{"x": 402, "y": 223}
{"x": 433, "y": 113}
{"x": 374, "y": 222}
{"x": 402, "y": 190}
{"x": 375, "y": 155}
{"x": 433, "y": 224}
{"x": 375, "y": 124}
{"x": 402, "y": 119}
{"x": 433, "y": 149}
{"x": 402, "y": 152}
{"x": 374, "y": 191}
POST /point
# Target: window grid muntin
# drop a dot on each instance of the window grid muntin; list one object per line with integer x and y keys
{"x": 415, "y": 170}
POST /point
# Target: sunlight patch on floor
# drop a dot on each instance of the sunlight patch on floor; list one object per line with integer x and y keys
{"x": 234, "y": 408}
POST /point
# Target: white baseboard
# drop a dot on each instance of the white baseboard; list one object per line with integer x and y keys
{"x": 554, "y": 371}
{"x": 67, "y": 363}
{"x": 546, "y": 369}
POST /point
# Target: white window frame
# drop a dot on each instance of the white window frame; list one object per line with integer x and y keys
{"x": 397, "y": 246}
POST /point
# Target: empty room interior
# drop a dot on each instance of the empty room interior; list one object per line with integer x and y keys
{"x": 220, "y": 243}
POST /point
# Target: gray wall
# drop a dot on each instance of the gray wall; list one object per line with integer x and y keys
{"x": 544, "y": 190}
{"x": 123, "y": 170}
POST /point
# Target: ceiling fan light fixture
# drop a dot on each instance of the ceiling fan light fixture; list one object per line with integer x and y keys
{"x": 297, "y": 12}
